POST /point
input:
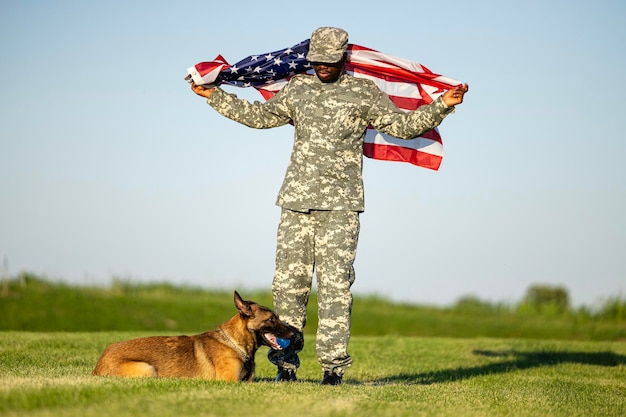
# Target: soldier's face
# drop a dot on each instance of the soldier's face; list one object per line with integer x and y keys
{"x": 326, "y": 72}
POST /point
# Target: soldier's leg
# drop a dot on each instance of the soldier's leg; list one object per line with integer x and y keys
{"x": 336, "y": 244}
{"x": 292, "y": 281}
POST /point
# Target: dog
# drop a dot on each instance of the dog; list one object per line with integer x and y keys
{"x": 225, "y": 354}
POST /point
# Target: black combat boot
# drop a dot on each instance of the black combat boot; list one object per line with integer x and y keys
{"x": 331, "y": 378}
{"x": 286, "y": 375}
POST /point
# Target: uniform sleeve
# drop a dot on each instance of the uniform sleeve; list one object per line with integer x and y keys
{"x": 257, "y": 115}
{"x": 387, "y": 118}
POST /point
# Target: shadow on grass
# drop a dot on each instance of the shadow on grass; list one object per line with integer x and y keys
{"x": 514, "y": 361}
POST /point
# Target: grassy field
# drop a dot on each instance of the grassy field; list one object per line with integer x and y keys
{"x": 48, "y": 374}
{"x": 408, "y": 360}
{"x": 39, "y": 305}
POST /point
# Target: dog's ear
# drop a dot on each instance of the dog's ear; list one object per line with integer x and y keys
{"x": 242, "y": 306}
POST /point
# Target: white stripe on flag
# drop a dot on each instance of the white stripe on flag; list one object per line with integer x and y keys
{"x": 392, "y": 88}
{"x": 422, "y": 144}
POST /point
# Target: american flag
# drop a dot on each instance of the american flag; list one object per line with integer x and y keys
{"x": 408, "y": 84}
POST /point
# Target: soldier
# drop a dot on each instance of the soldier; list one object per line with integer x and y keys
{"x": 321, "y": 197}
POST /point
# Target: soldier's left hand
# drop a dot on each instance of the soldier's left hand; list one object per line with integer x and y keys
{"x": 455, "y": 96}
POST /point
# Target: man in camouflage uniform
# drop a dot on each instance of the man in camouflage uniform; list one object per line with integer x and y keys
{"x": 322, "y": 193}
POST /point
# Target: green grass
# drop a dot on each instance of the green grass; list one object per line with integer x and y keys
{"x": 39, "y": 305}
{"x": 48, "y": 374}
{"x": 409, "y": 360}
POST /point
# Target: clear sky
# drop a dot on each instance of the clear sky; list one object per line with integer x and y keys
{"x": 111, "y": 167}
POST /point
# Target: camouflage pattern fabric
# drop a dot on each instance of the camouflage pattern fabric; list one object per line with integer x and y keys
{"x": 322, "y": 195}
{"x": 330, "y": 120}
{"x": 324, "y": 242}
{"x": 327, "y": 45}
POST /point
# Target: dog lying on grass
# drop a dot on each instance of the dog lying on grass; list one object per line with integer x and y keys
{"x": 224, "y": 354}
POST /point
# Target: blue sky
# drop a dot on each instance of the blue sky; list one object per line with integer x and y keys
{"x": 111, "y": 167}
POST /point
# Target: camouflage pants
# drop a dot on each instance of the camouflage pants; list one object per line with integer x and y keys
{"x": 323, "y": 242}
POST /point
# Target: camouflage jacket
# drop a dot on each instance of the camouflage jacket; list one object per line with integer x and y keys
{"x": 330, "y": 121}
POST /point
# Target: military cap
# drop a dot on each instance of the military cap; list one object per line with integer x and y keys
{"x": 327, "y": 44}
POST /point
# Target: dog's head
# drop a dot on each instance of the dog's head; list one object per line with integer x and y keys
{"x": 263, "y": 322}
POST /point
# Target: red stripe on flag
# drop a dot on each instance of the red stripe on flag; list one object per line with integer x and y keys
{"x": 407, "y": 103}
{"x": 401, "y": 154}
{"x": 432, "y": 134}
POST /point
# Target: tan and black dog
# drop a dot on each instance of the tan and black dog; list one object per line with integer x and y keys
{"x": 223, "y": 354}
